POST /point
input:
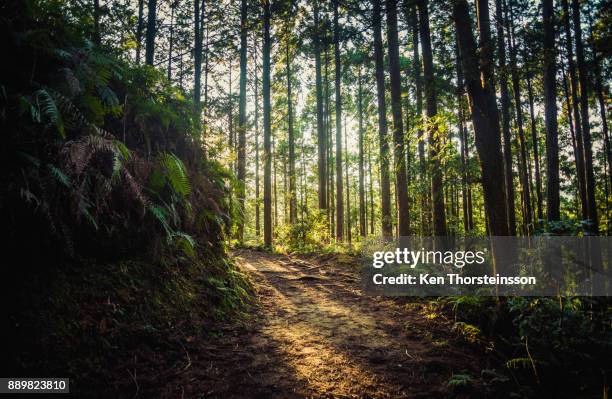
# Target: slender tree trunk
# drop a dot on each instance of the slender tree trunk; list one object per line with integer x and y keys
{"x": 242, "y": 120}
{"x": 486, "y": 124}
{"x": 385, "y": 185}
{"x": 437, "y": 193}
{"x": 321, "y": 133}
{"x": 348, "y": 191}
{"x": 371, "y": 190}
{"x": 257, "y": 198}
{"x": 274, "y": 186}
{"x": 528, "y": 219}
{"x": 362, "y": 210}
{"x": 602, "y": 113}
{"x": 568, "y": 107}
{"x": 197, "y": 58}
{"x": 576, "y": 109}
{"x": 505, "y": 106}
{"x": 139, "y": 30}
{"x": 463, "y": 144}
{"x": 536, "y": 150}
{"x": 550, "y": 113}
{"x": 151, "y": 31}
{"x": 267, "y": 127}
{"x": 206, "y": 71}
{"x": 329, "y": 148}
{"x": 96, "y": 17}
{"x": 291, "y": 139}
{"x": 338, "y": 76}
{"x": 418, "y": 83}
{"x": 171, "y": 40}
{"x": 593, "y": 227}
{"x": 398, "y": 127}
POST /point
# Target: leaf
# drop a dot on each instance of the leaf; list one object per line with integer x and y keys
{"x": 50, "y": 110}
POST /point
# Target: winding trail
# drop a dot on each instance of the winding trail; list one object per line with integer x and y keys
{"x": 316, "y": 335}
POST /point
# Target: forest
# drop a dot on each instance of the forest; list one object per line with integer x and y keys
{"x": 188, "y": 187}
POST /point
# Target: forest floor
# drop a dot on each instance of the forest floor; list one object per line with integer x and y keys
{"x": 314, "y": 333}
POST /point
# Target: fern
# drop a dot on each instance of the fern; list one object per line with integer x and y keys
{"x": 176, "y": 174}
{"x": 59, "y": 175}
{"x": 49, "y": 109}
{"x": 185, "y": 243}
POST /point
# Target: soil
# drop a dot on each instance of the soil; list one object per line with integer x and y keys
{"x": 315, "y": 334}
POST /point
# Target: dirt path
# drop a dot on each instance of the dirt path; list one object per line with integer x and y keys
{"x": 315, "y": 334}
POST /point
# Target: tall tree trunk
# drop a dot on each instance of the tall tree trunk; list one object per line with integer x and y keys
{"x": 463, "y": 144}
{"x": 329, "y": 148}
{"x": 362, "y": 210}
{"x": 527, "y": 221}
{"x": 151, "y": 31}
{"x": 437, "y": 193}
{"x": 348, "y": 190}
{"x": 171, "y": 41}
{"x": 321, "y": 133}
{"x": 505, "y": 106}
{"x": 337, "y": 81}
{"x": 267, "y": 127}
{"x": 385, "y": 185}
{"x": 593, "y": 227}
{"x": 486, "y": 124}
{"x": 242, "y": 120}
{"x": 602, "y": 113}
{"x": 206, "y": 73}
{"x": 550, "y": 113}
{"x": 576, "y": 109}
{"x": 197, "y": 58}
{"x": 139, "y": 30}
{"x": 536, "y": 149}
{"x": 257, "y": 199}
{"x": 291, "y": 139}
{"x": 274, "y": 186}
{"x": 568, "y": 107}
{"x": 371, "y": 189}
{"x": 96, "y": 18}
{"x": 418, "y": 83}
{"x": 398, "y": 127}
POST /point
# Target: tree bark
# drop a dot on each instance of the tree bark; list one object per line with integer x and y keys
{"x": 576, "y": 109}
{"x": 291, "y": 140}
{"x": 338, "y": 98}
{"x": 486, "y": 124}
{"x": 437, "y": 192}
{"x": 242, "y": 120}
{"x": 550, "y": 114}
{"x": 151, "y": 31}
{"x": 505, "y": 107}
{"x": 267, "y": 127}
{"x": 593, "y": 225}
{"x": 321, "y": 133}
{"x": 527, "y": 222}
{"x": 139, "y": 30}
{"x": 418, "y": 83}
{"x": 362, "y": 210}
{"x": 385, "y": 186}
{"x": 398, "y": 127}
{"x": 536, "y": 150}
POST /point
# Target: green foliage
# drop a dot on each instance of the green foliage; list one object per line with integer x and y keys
{"x": 101, "y": 151}
{"x": 306, "y": 234}
{"x": 459, "y": 381}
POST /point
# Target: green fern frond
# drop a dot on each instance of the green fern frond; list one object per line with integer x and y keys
{"x": 160, "y": 214}
{"x": 59, "y": 175}
{"x": 49, "y": 109}
{"x": 176, "y": 174}
{"x": 185, "y": 243}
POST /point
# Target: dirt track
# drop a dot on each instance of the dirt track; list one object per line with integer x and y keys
{"x": 314, "y": 334}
